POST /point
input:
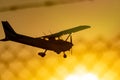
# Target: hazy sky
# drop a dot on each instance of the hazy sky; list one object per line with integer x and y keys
{"x": 102, "y": 15}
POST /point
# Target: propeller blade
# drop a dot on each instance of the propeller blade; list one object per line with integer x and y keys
{"x": 71, "y": 42}
{"x": 70, "y": 38}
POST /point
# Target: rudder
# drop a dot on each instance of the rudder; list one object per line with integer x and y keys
{"x": 9, "y": 31}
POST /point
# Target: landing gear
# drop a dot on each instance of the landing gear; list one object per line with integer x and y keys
{"x": 42, "y": 54}
{"x": 64, "y": 55}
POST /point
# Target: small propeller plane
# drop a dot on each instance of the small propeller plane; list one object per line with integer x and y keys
{"x": 51, "y": 42}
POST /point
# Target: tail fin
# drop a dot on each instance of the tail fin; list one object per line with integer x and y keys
{"x": 9, "y": 32}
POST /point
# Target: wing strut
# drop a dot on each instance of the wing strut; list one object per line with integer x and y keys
{"x": 68, "y": 36}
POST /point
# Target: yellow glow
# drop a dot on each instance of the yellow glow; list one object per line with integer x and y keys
{"x": 96, "y": 51}
{"x": 88, "y": 76}
{"x": 72, "y": 77}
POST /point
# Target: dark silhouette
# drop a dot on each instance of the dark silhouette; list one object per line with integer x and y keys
{"x": 49, "y": 42}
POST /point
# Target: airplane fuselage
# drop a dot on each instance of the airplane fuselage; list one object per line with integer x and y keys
{"x": 54, "y": 45}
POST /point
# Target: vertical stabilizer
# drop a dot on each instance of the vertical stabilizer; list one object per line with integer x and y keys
{"x": 8, "y": 30}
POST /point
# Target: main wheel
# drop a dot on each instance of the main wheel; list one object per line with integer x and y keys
{"x": 41, "y": 54}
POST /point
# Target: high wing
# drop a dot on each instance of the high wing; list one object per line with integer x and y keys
{"x": 68, "y": 31}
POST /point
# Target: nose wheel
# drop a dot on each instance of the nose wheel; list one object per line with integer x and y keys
{"x": 64, "y": 55}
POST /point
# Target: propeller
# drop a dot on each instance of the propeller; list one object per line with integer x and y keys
{"x": 71, "y": 38}
{"x": 71, "y": 42}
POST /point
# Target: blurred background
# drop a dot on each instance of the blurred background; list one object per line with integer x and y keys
{"x": 96, "y": 51}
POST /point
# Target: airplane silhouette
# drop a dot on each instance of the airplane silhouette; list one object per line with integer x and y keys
{"x": 51, "y": 42}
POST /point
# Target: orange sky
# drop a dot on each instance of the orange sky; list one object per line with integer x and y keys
{"x": 102, "y": 15}
{"x": 98, "y": 57}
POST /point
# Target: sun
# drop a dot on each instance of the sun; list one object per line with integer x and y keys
{"x": 88, "y": 76}
{"x": 72, "y": 77}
